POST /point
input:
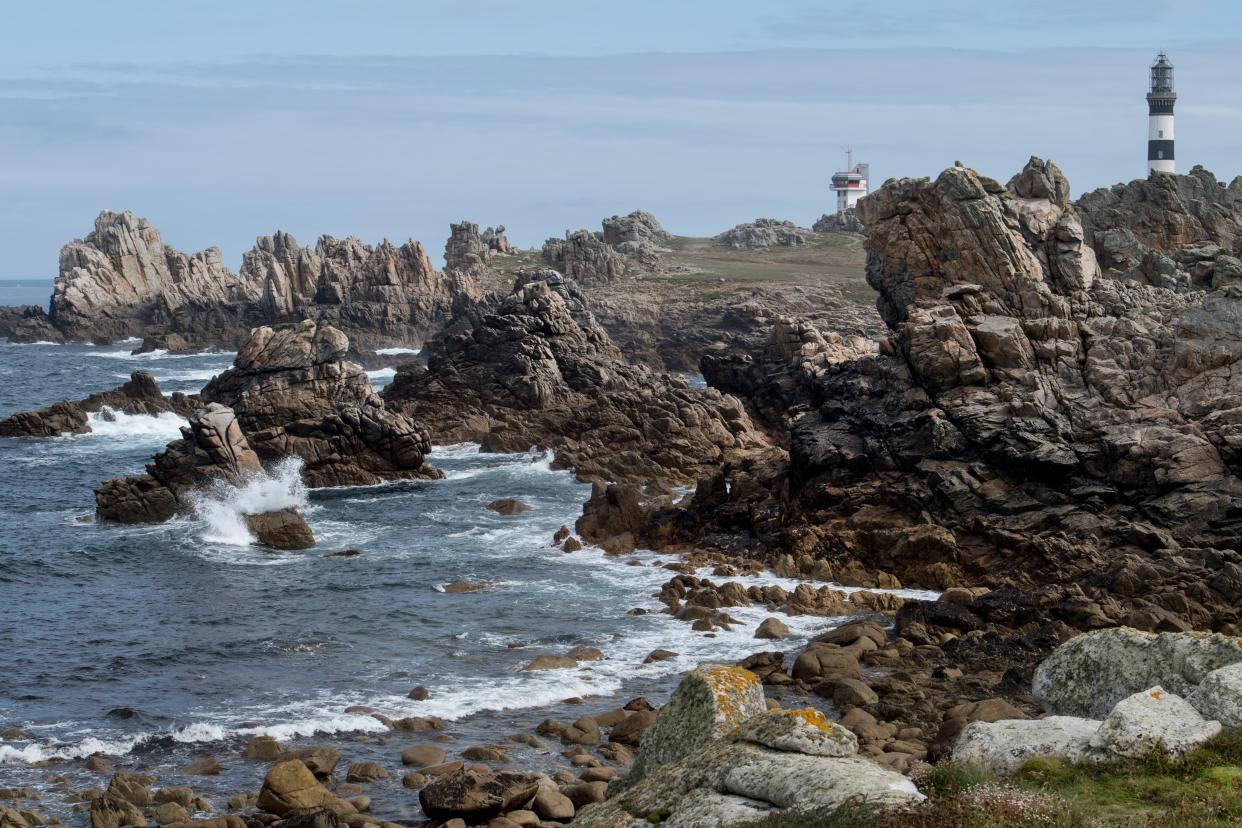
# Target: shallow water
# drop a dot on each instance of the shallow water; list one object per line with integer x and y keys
{"x": 159, "y": 643}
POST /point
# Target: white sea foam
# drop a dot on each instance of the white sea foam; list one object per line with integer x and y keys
{"x": 164, "y": 426}
{"x": 383, "y": 375}
{"x": 223, "y": 507}
{"x": 394, "y": 351}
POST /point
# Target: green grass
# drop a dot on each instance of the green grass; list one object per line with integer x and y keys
{"x": 1200, "y": 790}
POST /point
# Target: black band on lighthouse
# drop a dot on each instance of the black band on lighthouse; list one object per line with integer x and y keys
{"x": 1160, "y": 108}
{"x": 1159, "y": 150}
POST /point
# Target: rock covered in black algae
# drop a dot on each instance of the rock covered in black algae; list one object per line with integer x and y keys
{"x": 537, "y": 370}
{"x": 140, "y": 395}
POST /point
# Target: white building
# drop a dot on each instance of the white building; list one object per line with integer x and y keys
{"x": 851, "y": 184}
{"x": 1160, "y": 100}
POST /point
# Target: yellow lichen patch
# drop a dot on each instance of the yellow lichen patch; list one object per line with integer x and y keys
{"x": 1156, "y": 694}
{"x": 728, "y": 685}
{"x": 812, "y": 717}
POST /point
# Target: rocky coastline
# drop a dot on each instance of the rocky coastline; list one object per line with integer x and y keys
{"x": 1017, "y": 487}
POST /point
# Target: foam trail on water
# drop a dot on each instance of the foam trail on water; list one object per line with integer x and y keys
{"x": 394, "y": 351}
{"x": 109, "y": 423}
{"x": 223, "y": 507}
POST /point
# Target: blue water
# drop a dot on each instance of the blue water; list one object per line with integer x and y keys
{"x": 25, "y": 292}
{"x": 156, "y": 644}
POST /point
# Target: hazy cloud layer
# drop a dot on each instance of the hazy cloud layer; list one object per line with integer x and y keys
{"x": 217, "y": 151}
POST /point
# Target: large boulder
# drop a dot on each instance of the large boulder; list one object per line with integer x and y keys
{"x": 771, "y": 762}
{"x": 1219, "y": 696}
{"x": 1089, "y": 674}
{"x": 712, "y": 700}
{"x": 476, "y": 794}
{"x": 1152, "y": 722}
{"x": 281, "y": 529}
{"x": 1004, "y": 746}
{"x": 290, "y": 786}
{"x": 763, "y": 233}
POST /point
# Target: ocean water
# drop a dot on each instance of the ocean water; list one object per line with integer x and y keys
{"x": 158, "y": 644}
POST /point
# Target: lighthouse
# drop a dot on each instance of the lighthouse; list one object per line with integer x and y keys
{"x": 1160, "y": 100}
{"x": 850, "y": 184}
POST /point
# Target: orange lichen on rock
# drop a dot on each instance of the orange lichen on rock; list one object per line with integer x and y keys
{"x": 728, "y": 685}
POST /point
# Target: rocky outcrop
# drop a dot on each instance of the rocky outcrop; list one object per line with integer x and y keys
{"x": 295, "y": 395}
{"x": 537, "y": 370}
{"x": 1183, "y": 232}
{"x": 140, "y": 395}
{"x": 1030, "y": 423}
{"x": 381, "y": 295}
{"x": 716, "y": 757}
{"x": 626, "y": 243}
{"x": 467, "y": 248}
{"x": 1089, "y": 674}
{"x": 122, "y": 279}
{"x": 763, "y": 233}
{"x": 28, "y": 323}
{"x": 289, "y": 394}
{"x": 845, "y": 221}
{"x": 212, "y": 450}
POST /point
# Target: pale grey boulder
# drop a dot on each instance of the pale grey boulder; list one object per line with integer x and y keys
{"x": 1219, "y": 696}
{"x": 798, "y": 731}
{"x": 712, "y": 700}
{"x": 1089, "y": 674}
{"x": 1151, "y": 721}
{"x": 1004, "y": 746}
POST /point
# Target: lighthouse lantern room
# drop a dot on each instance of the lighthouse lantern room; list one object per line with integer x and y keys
{"x": 1160, "y": 100}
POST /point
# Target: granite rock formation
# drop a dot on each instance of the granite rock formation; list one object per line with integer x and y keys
{"x": 1177, "y": 231}
{"x": 139, "y": 395}
{"x": 537, "y": 370}
{"x": 763, "y": 233}
{"x": 378, "y": 295}
{"x": 212, "y": 449}
{"x": 122, "y": 279}
{"x": 1032, "y": 423}
{"x": 468, "y": 248}
{"x": 295, "y": 394}
{"x": 845, "y": 221}
{"x": 626, "y": 244}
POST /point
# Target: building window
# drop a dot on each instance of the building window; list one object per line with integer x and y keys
{"x": 1160, "y": 155}
{"x": 1161, "y": 135}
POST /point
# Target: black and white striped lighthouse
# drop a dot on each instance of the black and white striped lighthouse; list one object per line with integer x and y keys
{"x": 1160, "y": 100}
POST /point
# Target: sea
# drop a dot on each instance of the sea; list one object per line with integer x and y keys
{"x": 155, "y": 645}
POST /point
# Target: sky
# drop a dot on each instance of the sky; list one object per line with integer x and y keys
{"x": 225, "y": 120}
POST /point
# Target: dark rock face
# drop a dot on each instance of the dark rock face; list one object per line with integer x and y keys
{"x": 537, "y": 370}
{"x": 1031, "y": 422}
{"x": 140, "y": 395}
{"x": 1177, "y": 231}
{"x": 28, "y": 323}
{"x": 295, "y": 395}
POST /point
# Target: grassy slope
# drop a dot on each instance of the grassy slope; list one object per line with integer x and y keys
{"x": 1204, "y": 789}
{"x": 703, "y": 267}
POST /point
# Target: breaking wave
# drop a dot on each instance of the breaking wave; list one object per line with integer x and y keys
{"x": 223, "y": 507}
